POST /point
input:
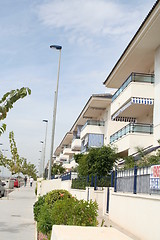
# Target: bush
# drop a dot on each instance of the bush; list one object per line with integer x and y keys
{"x": 37, "y": 207}
{"x": 68, "y": 211}
{"x": 55, "y": 195}
{"x": 74, "y": 212}
{"x": 60, "y": 208}
{"x": 44, "y": 223}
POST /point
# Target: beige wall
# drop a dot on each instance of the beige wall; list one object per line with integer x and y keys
{"x": 138, "y": 214}
{"x": 46, "y": 186}
{"x": 146, "y": 118}
{"x": 60, "y": 232}
{"x": 76, "y": 144}
{"x": 134, "y": 89}
{"x": 79, "y": 194}
{"x": 133, "y": 140}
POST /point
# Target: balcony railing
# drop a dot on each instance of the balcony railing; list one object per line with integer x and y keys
{"x": 132, "y": 128}
{"x": 134, "y": 77}
{"x": 93, "y": 122}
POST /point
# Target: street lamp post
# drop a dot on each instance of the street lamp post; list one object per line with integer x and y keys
{"x": 41, "y": 163}
{"x": 54, "y": 110}
{"x": 43, "y": 166}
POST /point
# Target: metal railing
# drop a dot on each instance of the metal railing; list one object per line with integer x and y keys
{"x": 134, "y": 77}
{"x": 93, "y": 122}
{"x": 132, "y": 128}
{"x": 98, "y": 182}
{"x": 137, "y": 180}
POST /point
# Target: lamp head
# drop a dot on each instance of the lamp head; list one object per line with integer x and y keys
{"x": 57, "y": 47}
{"x": 45, "y": 120}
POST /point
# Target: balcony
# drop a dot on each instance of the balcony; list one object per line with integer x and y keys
{"x": 95, "y": 127}
{"x": 92, "y": 141}
{"x": 137, "y": 86}
{"x": 132, "y": 128}
{"x": 63, "y": 157}
{"x": 76, "y": 144}
{"x": 68, "y": 151}
{"x": 133, "y": 135}
{"x": 134, "y": 77}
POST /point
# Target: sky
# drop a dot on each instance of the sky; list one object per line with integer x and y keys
{"x": 93, "y": 35}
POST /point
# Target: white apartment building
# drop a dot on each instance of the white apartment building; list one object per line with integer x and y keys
{"x": 136, "y": 75}
{"x": 89, "y": 130}
{"x": 131, "y": 117}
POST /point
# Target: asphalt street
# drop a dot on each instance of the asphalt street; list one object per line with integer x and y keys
{"x": 16, "y": 214}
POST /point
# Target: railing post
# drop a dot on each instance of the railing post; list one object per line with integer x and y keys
{"x": 115, "y": 182}
{"x": 112, "y": 178}
{"x": 70, "y": 175}
{"x": 88, "y": 180}
{"x": 107, "y": 210}
{"x": 95, "y": 183}
{"x": 135, "y": 180}
{"x": 92, "y": 181}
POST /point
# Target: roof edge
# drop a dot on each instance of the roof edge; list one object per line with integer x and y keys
{"x": 137, "y": 32}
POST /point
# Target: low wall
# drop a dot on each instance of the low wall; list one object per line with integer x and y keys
{"x": 100, "y": 196}
{"x": 138, "y": 214}
{"x": 79, "y": 194}
{"x": 46, "y": 186}
{"x": 90, "y": 233}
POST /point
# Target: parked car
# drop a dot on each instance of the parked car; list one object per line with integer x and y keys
{"x": 16, "y": 183}
{"x": 2, "y": 188}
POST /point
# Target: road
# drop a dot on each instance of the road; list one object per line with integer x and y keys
{"x": 16, "y": 214}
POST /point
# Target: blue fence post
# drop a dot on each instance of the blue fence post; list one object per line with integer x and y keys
{"x": 107, "y": 210}
{"x": 112, "y": 178}
{"x": 115, "y": 182}
{"x": 95, "y": 183}
{"x": 92, "y": 181}
{"x": 135, "y": 180}
{"x": 87, "y": 180}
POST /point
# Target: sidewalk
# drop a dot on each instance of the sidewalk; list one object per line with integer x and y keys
{"x": 16, "y": 214}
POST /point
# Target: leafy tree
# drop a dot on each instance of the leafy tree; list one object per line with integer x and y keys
{"x": 15, "y": 164}
{"x": 83, "y": 169}
{"x": 144, "y": 161}
{"x": 7, "y": 102}
{"x": 98, "y": 161}
{"x": 57, "y": 169}
{"x": 129, "y": 162}
{"x": 31, "y": 170}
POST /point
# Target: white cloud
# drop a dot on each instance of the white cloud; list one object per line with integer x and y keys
{"x": 86, "y": 18}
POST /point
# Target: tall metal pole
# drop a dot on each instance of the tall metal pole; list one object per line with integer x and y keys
{"x": 44, "y": 153}
{"x": 54, "y": 111}
{"x": 41, "y": 162}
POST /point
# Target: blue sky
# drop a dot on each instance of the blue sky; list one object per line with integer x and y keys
{"x": 93, "y": 34}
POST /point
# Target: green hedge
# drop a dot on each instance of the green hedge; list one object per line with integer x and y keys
{"x": 83, "y": 182}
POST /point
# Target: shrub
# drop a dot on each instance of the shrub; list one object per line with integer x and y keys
{"x": 55, "y": 195}
{"x": 37, "y": 207}
{"x": 59, "y": 207}
{"x": 44, "y": 223}
{"x": 68, "y": 211}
